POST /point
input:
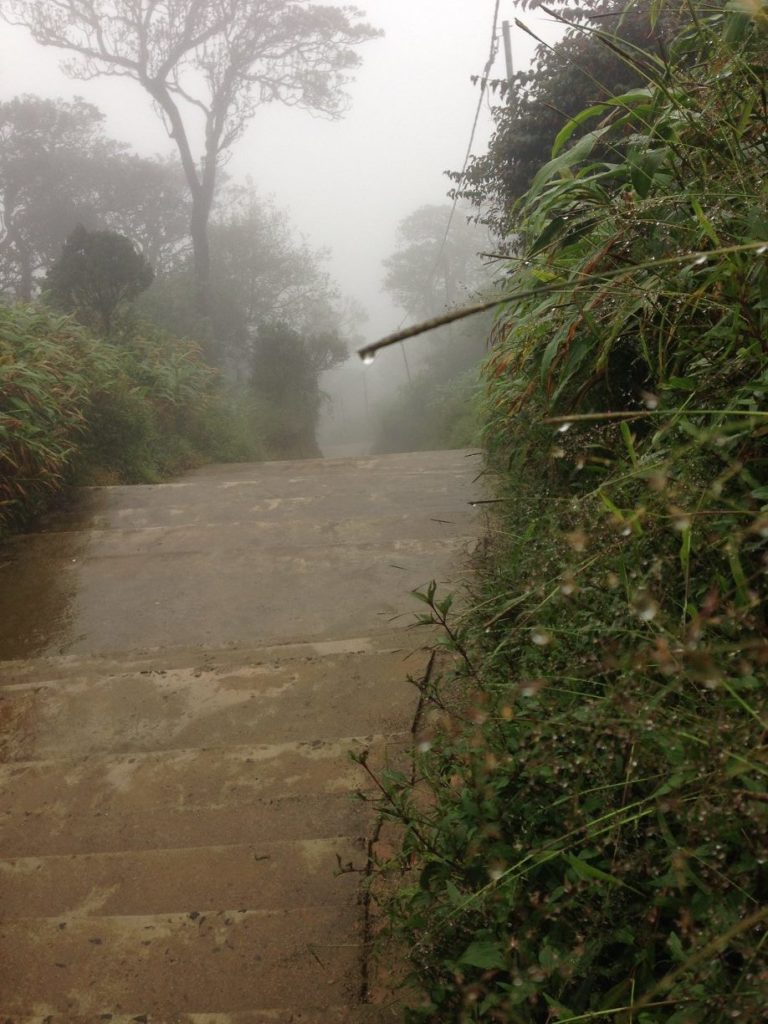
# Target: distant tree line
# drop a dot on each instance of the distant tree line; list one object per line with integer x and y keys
{"x": 206, "y": 65}
{"x": 93, "y": 227}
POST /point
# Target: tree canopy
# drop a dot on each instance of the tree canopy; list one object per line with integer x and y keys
{"x": 436, "y": 264}
{"x": 96, "y": 272}
{"x": 586, "y": 66}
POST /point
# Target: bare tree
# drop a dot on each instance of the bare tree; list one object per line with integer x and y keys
{"x": 207, "y": 64}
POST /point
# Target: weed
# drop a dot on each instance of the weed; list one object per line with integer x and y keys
{"x": 594, "y": 844}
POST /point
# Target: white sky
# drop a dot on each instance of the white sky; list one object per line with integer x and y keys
{"x": 346, "y": 184}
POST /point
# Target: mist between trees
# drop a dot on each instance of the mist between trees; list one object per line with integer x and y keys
{"x": 135, "y": 247}
{"x": 145, "y": 251}
{"x": 92, "y": 230}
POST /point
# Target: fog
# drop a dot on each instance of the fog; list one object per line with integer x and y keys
{"x": 346, "y": 184}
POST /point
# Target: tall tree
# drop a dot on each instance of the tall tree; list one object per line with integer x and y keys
{"x": 46, "y": 182}
{"x": 436, "y": 264}
{"x": 276, "y": 275}
{"x": 208, "y": 63}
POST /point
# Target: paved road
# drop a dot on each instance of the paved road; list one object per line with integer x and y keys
{"x": 183, "y": 671}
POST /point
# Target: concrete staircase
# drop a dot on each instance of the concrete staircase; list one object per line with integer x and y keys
{"x": 179, "y": 838}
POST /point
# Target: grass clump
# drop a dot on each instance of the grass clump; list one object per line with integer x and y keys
{"x": 594, "y": 845}
{"x": 78, "y": 409}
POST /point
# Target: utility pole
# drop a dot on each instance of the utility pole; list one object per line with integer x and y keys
{"x": 507, "y": 31}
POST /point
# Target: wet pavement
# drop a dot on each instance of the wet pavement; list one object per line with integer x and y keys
{"x": 237, "y": 554}
{"x": 184, "y": 669}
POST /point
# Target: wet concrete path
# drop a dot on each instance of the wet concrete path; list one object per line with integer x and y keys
{"x": 183, "y": 671}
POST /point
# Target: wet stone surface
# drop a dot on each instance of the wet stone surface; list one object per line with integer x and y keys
{"x": 184, "y": 670}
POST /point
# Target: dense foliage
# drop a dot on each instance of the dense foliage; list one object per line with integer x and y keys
{"x": 591, "y": 825}
{"x": 286, "y": 378}
{"x": 74, "y": 407}
{"x": 564, "y": 79}
{"x": 96, "y": 273}
{"x": 67, "y": 191}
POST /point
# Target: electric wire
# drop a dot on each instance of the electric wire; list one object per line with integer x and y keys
{"x": 494, "y": 49}
{"x": 493, "y": 52}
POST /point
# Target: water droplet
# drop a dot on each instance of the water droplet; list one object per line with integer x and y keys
{"x": 367, "y": 357}
{"x": 645, "y": 607}
{"x": 578, "y": 540}
{"x": 541, "y": 637}
{"x": 651, "y": 400}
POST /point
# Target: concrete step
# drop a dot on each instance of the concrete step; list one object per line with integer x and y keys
{"x": 215, "y": 591}
{"x": 181, "y": 798}
{"x": 61, "y": 667}
{"x": 176, "y": 532}
{"x": 308, "y": 699}
{"x": 258, "y": 876}
{"x": 211, "y": 961}
{"x": 326, "y": 1015}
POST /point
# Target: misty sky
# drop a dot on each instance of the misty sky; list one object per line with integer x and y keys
{"x": 346, "y": 184}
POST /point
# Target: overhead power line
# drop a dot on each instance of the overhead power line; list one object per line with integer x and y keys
{"x": 493, "y": 51}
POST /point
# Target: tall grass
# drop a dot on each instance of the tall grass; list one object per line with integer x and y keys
{"x": 77, "y": 408}
{"x": 595, "y": 842}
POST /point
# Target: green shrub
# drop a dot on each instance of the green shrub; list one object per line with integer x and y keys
{"x": 595, "y": 844}
{"x": 76, "y": 409}
{"x": 46, "y": 365}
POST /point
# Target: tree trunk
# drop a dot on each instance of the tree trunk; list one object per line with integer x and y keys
{"x": 26, "y": 281}
{"x": 198, "y": 229}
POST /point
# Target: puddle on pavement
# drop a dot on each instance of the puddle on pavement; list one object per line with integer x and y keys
{"x": 39, "y": 573}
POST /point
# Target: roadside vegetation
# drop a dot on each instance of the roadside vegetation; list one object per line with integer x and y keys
{"x": 108, "y": 371}
{"x": 75, "y": 408}
{"x": 586, "y": 835}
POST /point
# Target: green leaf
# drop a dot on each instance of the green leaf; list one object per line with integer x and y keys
{"x": 589, "y": 872}
{"x": 570, "y": 127}
{"x": 550, "y": 232}
{"x": 485, "y": 955}
{"x": 563, "y": 163}
{"x": 643, "y": 168}
{"x": 675, "y": 946}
